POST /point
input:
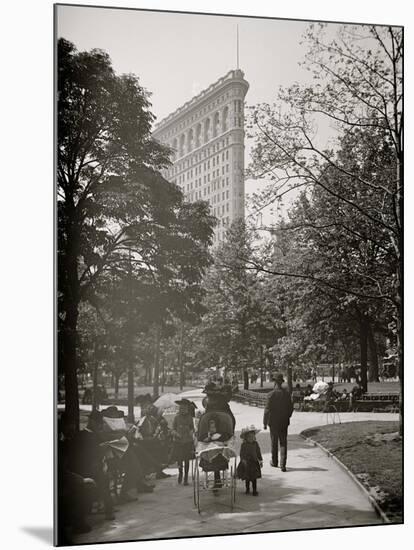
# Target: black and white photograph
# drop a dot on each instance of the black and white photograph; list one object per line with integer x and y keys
{"x": 229, "y": 274}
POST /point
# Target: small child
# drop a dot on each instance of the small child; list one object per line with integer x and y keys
{"x": 183, "y": 436}
{"x": 219, "y": 462}
{"x": 212, "y": 434}
{"x": 251, "y": 461}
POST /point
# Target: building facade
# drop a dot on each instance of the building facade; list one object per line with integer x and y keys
{"x": 207, "y": 136}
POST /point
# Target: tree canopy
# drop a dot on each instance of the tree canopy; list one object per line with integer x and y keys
{"x": 118, "y": 217}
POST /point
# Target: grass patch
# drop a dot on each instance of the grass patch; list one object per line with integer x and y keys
{"x": 373, "y": 452}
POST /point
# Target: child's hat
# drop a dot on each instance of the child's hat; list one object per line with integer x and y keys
{"x": 249, "y": 429}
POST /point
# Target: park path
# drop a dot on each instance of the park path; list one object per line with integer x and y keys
{"x": 314, "y": 493}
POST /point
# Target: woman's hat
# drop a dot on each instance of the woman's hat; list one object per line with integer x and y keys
{"x": 184, "y": 402}
{"x": 113, "y": 412}
{"x": 249, "y": 429}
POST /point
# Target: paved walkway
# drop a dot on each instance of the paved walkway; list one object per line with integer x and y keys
{"x": 314, "y": 492}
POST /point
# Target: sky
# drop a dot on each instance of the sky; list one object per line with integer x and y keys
{"x": 176, "y": 55}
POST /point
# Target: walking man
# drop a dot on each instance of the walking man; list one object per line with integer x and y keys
{"x": 277, "y": 413}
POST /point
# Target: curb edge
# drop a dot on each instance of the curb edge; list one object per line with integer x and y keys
{"x": 371, "y": 499}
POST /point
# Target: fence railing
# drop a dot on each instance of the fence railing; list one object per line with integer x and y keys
{"x": 250, "y": 397}
{"x": 368, "y": 402}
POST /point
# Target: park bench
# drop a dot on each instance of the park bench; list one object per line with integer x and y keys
{"x": 376, "y": 402}
{"x": 368, "y": 402}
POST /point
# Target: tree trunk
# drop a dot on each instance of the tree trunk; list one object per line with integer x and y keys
{"x": 245, "y": 379}
{"x": 156, "y": 382}
{"x": 181, "y": 357}
{"x": 400, "y": 336}
{"x": 95, "y": 400}
{"x": 69, "y": 359}
{"x": 261, "y": 366}
{"x": 70, "y": 288}
{"x": 373, "y": 369}
{"x": 163, "y": 372}
{"x": 131, "y": 403}
{"x": 363, "y": 335}
{"x": 116, "y": 378}
{"x": 289, "y": 378}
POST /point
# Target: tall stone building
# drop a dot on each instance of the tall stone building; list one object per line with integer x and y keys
{"x": 207, "y": 135}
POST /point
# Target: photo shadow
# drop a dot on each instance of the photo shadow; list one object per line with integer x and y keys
{"x": 45, "y": 534}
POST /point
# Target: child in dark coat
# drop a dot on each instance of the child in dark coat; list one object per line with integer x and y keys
{"x": 251, "y": 461}
{"x": 183, "y": 435}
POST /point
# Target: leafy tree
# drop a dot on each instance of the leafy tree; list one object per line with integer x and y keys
{"x": 350, "y": 218}
{"x": 240, "y": 322}
{"x": 358, "y": 89}
{"x": 114, "y": 207}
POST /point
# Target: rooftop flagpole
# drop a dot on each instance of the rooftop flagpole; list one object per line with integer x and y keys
{"x": 238, "y": 46}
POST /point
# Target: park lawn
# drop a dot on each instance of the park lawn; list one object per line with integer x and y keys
{"x": 372, "y": 450}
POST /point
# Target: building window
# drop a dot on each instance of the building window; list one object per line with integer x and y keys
{"x": 227, "y": 207}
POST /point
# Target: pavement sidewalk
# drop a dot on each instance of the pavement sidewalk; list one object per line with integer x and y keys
{"x": 314, "y": 493}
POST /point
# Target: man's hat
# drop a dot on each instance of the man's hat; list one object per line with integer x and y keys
{"x": 279, "y": 377}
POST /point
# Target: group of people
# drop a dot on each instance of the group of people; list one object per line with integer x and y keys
{"x": 94, "y": 461}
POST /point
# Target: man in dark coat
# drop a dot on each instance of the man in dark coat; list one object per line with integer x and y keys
{"x": 278, "y": 410}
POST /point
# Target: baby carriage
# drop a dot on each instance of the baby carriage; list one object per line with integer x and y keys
{"x": 214, "y": 467}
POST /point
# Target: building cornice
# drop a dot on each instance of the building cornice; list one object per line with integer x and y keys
{"x": 235, "y": 76}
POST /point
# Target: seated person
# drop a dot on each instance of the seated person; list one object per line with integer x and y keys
{"x": 357, "y": 392}
{"x": 331, "y": 393}
{"x": 85, "y": 456}
{"x": 75, "y": 497}
{"x": 120, "y": 457}
{"x": 308, "y": 390}
{"x": 330, "y": 396}
{"x": 297, "y": 393}
{"x": 148, "y": 445}
{"x": 213, "y": 435}
{"x": 344, "y": 395}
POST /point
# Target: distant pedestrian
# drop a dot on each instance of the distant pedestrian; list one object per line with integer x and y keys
{"x": 251, "y": 461}
{"x": 278, "y": 410}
